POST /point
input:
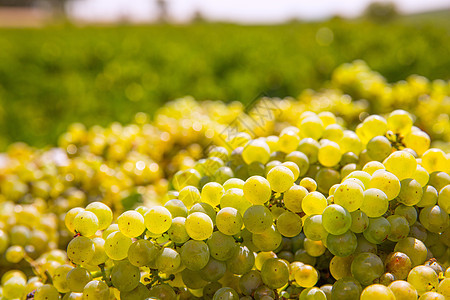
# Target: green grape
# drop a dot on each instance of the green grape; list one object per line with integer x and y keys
{"x": 399, "y": 228}
{"x": 408, "y": 212}
{"x": 333, "y": 132}
{"x": 140, "y": 292}
{"x": 158, "y": 219}
{"x": 288, "y": 140}
{"x": 410, "y": 192}
{"x": 111, "y": 228}
{"x": 14, "y": 287}
{"x": 399, "y": 264}
{"x": 249, "y": 282}
{"x": 256, "y": 169}
{"x": 329, "y": 154}
{"x": 346, "y": 288}
{"x": 418, "y": 231}
{"x": 86, "y": 223}
{"x": 209, "y": 290}
{"x": 96, "y": 290}
{"x": 194, "y": 255}
{"x": 387, "y": 182}
{"x": 400, "y": 121}
{"x": 444, "y": 198}
{"x": 309, "y": 184}
{"x": 60, "y": 280}
{"x": 124, "y": 276}
{"x": 234, "y": 197}
{"x": 342, "y": 245}
{"x": 268, "y": 240}
{"x": 73, "y": 296}
{"x": 117, "y": 245}
{"x": 314, "y": 248}
{"x": 270, "y": 165}
{"x": 142, "y": 252}
{"x": 221, "y": 246}
{"x": 293, "y": 198}
{"x": 326, "y": 178}
{"x": 311, "y": 127}
{"x": 349, "y": 195}
{"x": 100, "y": 256}
{"x": 417, "y": 140}
{"x": 256, "y": 150}
{"x": 378, "y": 148}
{"x": 176, "y": 208}
{"x": 314, "y": 203}
{"x": 163, "y": 292}
{"x": 226, "y": 293}
{"x": 377, "y": 291}
{"x": 306, "y": 276}
{"x": 421, "y": 175}
{"x": 46, "y": 292}
{"x": 275, "y": 273}
{"x": 177, "y": 231}
{"x": 374, "y": 125}
{"x": 314, "y": 229}
{"x": 366, "y": 267}
{"x": 423, "y": 279}
{"x": 362, "y": 176}
{"x": 444, "y": 287}
{"x": 434, "y": 219}
{"x": 189, "y": 195}
{"x": 373, "y": 166}
{"x": 280, "y": 178}
{"x": 402, "y": 164}
{"x": 77, "y": 278}
{"x": 300, "y": 159}
{"x": 241, "y": 262}
{"x": 211, "y": 194}
{"x": 14, "y": 254}
{"x": 257, "y": 190}
{"x": 214, "y": 270}
{"x": 289, "y": 224}
{"x": 192, "y": 279}
{"x": 103, "y": 213}
{"x": 432, "y": 296}
{"x": 439, "y": 180}
{"x": 204, "y": 208}
{"x": 223, "y": 174}
{"x": 80, "y": 250}
{"x": 336, "y": 219}
{"x": 414, "y": 249}
{"x": 19, "y": 235}
{"x": 360, "y": 221}
{"x": 340, "y": 267}
{"x": 168, "y": 260}
{"x": 378, "y": 230}
{"x": 403, "y": 290}
{"x": 293, "y": 167}
{"x": 375, "y": 203}
{"x": 229, "y": 221}
{"x": 302, "y": 256}
{"x": 429, "y": 196}
{"x": 310, "y": 147}
{"x": 131, "y": 223}
{"x": 261, "y": 257}
{"x": 70, "y": 216}
{"x": 434, "y": 160}
{"x": 219, "y": 152}
{"x": 350, "y": 142}
{"x": 199, "y": 226}
{"x": 257, "y": 219}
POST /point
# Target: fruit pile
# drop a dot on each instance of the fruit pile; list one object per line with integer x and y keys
{"x": 309, "y": 198}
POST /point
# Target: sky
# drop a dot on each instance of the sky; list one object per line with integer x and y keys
{"x": 240, "y": 11}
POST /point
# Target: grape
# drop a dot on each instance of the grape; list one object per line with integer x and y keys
{"x": 211, "y": 194}
{"x": 377, "y": 291}
{"x": 314, "y": 229}
{"x": 312, "y": 293}
{"x": 14, "y": 254}
{"x": 257, "y": 190}
{"x": 175, "y": 207}
{"x": 439, "y": 180}
{"x": 60, "y": 280}
{"x": 204, "y": 208}
{"x": 387, "y": 182}
{"x": 261, "y": 257}
{"x": 329, "y": 154}
{"x": 373, "y": 166}
{"x": 86, "y": 223}
{"x": 375, "y": 203}
{"x": 333, "y": 132}
{"x": 349, "y": 195}
{"x": 268, "y": 240}
{"x": 80, "y": 250}
{"x": 140, "y": 292}
{"x": 229, "y": 221}
{"x": 221, "y": 246}
{"x": 435, "y": 160}
{"x": 403, "y": 290}
{"x": 399, "y": 228}
{"x": 336, "y": 219}
{"x": 432, "y": 296}
{"x": 194, "y": 255}
{"x": 13, "y": 287}
{"x": 444, "y": 198}
{"x": 70, "y": 216}
{"x": 399, "y": 264}
{"x": 310, "y": 147}
{"x": 97, "y": 290}
{"x": 103, "y": 213}
{"x": 414, "y": 248}
{"x": 77, "y": 278}
{"x": 400, "y": 121}
{"x": 408, "y": 212}
{"x": 288, "y": 140}
{"x": 444, "y": 287}
{"x": 162, "y": 291}
{"x": 142, "y": 252}
{"x": 222, "y": 174}
{"x": 314, "y": 248}
{"x": 314, "y": 203}
{"x": 410, "y": 192}
{"x": 131, "y": 223}
{"x": 47, "y": 292}
{"x": 366, "y": 267}
{"x": 199, "y": 226}
{"x": 275, "y": 273}
{"x": 177, "y": 231}
{"x": 249, "y": 282}
{"x": 302, "y": 256}
{"x": 306, "y": 276}
{"x": 209, "y": 290}
{"x": 379, "y": 148}
{"x": 293, "y": 198}
{"x": 300, "y": 159}
{"x": 340, "y": 267}
{"x": 378, "y": 230}
{"x": 214, "y": 270}
{"x": 111, "y": 228}
{"x": 350, "y": 142}
{"x": 280, "y": 178}
{"x": 189, "y": 195}
{"x": 326, "y": 178}
{"x": 168, "y": 260}
{"x": 423, "y": 279}
{"x": 257, "y": 219}
{"x": 256, "y": 150}
{"x": 309, "y": 184}
{"x": 360, "y": 221}
{"x": 226, "y": 293}
{"x": 342, "y": 245}
{"x": 346, "y": 288}
{"x": 117, "y": 245}
{"x": 241, "y": 261}
{"x": 434, "y": 219}
{"x": 192, "y": 279}
{"x": 421, "y": 175}
{"x": 429, "y": 196}
{"x": 363, "y": 176}
{"x": 234, "y": 197}
{"x": 158, "y": 219}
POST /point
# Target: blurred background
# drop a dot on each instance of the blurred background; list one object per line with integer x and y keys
{"x": 99, "y": 61}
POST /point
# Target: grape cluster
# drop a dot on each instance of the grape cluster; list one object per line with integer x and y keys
{"x": 310, "y": 199}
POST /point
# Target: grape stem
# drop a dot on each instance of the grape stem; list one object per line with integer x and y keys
{"x": 105, "y": 278}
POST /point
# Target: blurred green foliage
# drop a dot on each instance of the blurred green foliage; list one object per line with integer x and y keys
{"x": 54, "y": 76}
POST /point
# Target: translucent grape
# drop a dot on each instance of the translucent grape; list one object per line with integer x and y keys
{"x": 234, "y": 197}
{"x": 249, "y": 282}
{"x": 306, "y": 276}
{"x": 96, "y": 290}
{"x": 373, "y": 166}
{"x": 268, "y": 240}
{"x": 77, "y": 278}
{"x": 340, "y": 267}
{"x": 257, "y": 219}
{"x": 444, "y": 198}
{"x": 280, "y": 178}
{"x": 375, "y": 203}
{"x": 221, "y": 246}
{"x": 199, "y": 226}
{"x": 177, "y": 231}
{"x": 158, "y": 219}
{"x": 414, "y": 248}
{"x": 342, "y": 245}
{"x": 168, "y": 261}
{"x": 289, "y": 224}
{"x": 378, "y": 230}
{"x": 275, "y": 273}
{"x": 379, "y": 148}
{"x": 226, "y": 293}
{"x": 346, "y": 288}
{"x": 435, "y": 160}
{"x": 229, "y": 221}
{"x": 410, "y": 192}
{"x": 214, "y": 270}
{"x": 189, "y": 195}
{"x": 142, "y": 252}
{"x": 314, "y": 229}
{"x": 400, "y": 121}
{"x": 387, "y": 182}
{"x": 360, "y": 221}
{"x": 86, "y": 223}
{"x": 70, "y": 216}
{"x": 309, "y": 184}
{"x": 194, "y": 255}
{"x": 103, "y": 212}
{"x": 434, "y": 219}
{"x": 423, "y": 279}
{"x": 377, "y": 291}
{"x": 131, "y": 223}
{"x": 314, "y": 203}
{"x": 293, "y": 198}
{"x": 329, "y": 154}
{"x": 399, "y": 228}
{"x": 241, "y": 261}
{"x": 46, "y": 292}
{"x": 366, "y": 267}
{"x": 399, "y": 264}
{"x": 256, "y": 150}
{"x": 211, "y": 193}
{"x": 124, "y": 276}
{"x": 429, "y": 196}
{"x": 349, "y": 195}
{"x": 175, "y": 207}
{"x": 336, "y": 219}
{"x": 80, "y": 250}
{"x": 117, "y": 245}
